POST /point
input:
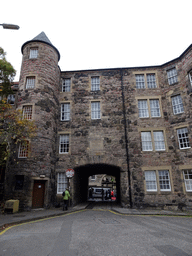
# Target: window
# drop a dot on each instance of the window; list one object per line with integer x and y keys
{"x": 95, "y": 110}
{"x": 19, "y": 182}
{"x": 95, "y": 83}
{"x": 30, "y": 82}
{"x": 11, "y": 99}
{"x": 150, "y": 180}
{"x": 33, "y": 53}
{"x": 151, "y": 81}
{"x": 183, "y": 138}
{"x": 153, "y": 141}
{"x": 188, "y": 179}
{"x": 172, "y": 76}
{"x": 64, "y": 144}
{"x": 23, "y": 149}
{"x": 140, "y": 81}
{"x": 66, "y": 86}
{"x": 152, "y": 104}
{"x": 93, "y": 177}
{"x": 141, "y": 78}
{"x": 177, "y": 105}
{"x": 143, "y": 108}
{"x": 61, "y": 182}
{"x": 27, "y": 112}
{"x": 65, "y": 111}
{"x": 190, "y": 77}
{"x": 162, "y": 176}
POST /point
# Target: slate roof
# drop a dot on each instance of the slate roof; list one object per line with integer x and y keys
{"x": 42, "y": 38}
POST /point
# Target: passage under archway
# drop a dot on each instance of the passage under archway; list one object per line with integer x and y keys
{"x": 82, "y": 173}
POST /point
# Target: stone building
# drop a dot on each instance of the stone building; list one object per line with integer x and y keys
{"x": 131, "y": 123}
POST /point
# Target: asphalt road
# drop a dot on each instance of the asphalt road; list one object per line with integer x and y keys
{"x": 95, "y": 232}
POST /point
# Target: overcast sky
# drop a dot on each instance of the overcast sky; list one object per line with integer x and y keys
{"x": 100, "y": 34}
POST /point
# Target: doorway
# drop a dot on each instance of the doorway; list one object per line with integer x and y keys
{"x": 38, "y": 194}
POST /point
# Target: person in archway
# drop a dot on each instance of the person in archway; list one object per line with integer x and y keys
{"x": 66, "y": 197}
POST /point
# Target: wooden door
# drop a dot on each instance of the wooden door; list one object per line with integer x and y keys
{"x": 38, "y": 194}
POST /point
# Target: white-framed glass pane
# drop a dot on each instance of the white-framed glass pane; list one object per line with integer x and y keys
{"x": 61, "y": 182}
{"x": 140, "y": 81}
{"x": 23, "y": 149}
{"x": 33, "y": 53}
{"x": 177, "y": 104}
{"x": 164, "y": 180}
{"x": 183, "y": 138}
{"x": 190, "y": 77}
{"x": 146, "y": 141}
{"x": 159, "y": 140}
{"x": 155, "y": 108}
{"x": 27, "y": 112}
{"x": 150, "y": 180}
{"x": 143, "y": 108}
{"x": 93, "y": 177}
{"x": 64, "y": 143}
{"x": 188, "y": 179}
{"x": 151, "y": 81}
{"x": 65, "y": 112}
{"x": 172, "y": 76}
{"x": 95, "y": 83}
{"x": 66, "y": 86}
{"x": 11, "y": 99}
{"x": 95, "y": 110}
{"x": 30, "y": 82}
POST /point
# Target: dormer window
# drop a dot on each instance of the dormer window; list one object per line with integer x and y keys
{"x": 33, "y": 53}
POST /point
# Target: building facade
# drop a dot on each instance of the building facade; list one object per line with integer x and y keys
{"x": 130, "y": 123}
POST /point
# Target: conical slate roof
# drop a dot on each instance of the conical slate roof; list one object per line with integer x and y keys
{"x": 42, "y": 38}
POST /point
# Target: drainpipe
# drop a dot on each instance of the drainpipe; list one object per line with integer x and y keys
{"x": 126, "y": 140}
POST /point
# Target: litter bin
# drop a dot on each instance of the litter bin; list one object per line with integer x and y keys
{"x": 11, "y": 206}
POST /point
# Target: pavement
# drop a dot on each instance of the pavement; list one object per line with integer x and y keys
{"x": 9, "y": 219}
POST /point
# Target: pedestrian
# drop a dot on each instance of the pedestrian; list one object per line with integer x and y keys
{"x": 66, "y": 197}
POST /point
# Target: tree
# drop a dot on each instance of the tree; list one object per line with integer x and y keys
{"x": 13, "y": 127}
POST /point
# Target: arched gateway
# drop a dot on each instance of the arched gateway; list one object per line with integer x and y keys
{"x": 82, "y": 173}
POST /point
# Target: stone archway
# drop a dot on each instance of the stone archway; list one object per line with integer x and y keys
{"x": 82, "y": 173}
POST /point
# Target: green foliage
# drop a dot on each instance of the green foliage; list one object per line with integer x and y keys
{"x": 7, "y": 74}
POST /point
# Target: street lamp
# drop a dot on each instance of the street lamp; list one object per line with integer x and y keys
{"x": 9, "y": 26}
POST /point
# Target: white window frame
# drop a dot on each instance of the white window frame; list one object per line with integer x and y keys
{"x": 95, "y": 83}
{"x": 149, "y": 108}
{"x": 30, "y": 82}
{"x": 62, "y": 182}
{"x": 140, "y": 81}
{"x": 93, "y": 177}
{"x": 172, "y": 76}
{"x": 66, "y": 84}
{"x": 153, "y": 140}
{"x": 150, "y": 181}
{"x": 190, "y": 77}
{"x": 95, "y": 110}
{"x": 23, "y": 149}
{"x": 143, "y": 109}
{"x": 65, "y": 111}
{"x": 187, "y": 174}
{"x": 183, "y": 138}
{"x": 33, "y": 53}
{"x": 157, "y": 180}
{"x": 151, "y": 81}
{"x": 177, "y": 104}
{"x": 64, "y": 144}
{"x": 27, "y": 112}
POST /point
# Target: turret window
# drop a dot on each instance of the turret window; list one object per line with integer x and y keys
{"x": 177, "y": 104}
{"x": 30, "y": 82}
{"x": 64, "y": 144}
{"x": 190, "y": 77}
{"x": 95, "y": 110}
{"x": 33, "y": 53}
{"x": 27, "y": 112}
{"x": 65, "y": 112}
{"x": 183, "y": 138}
{"x": 172, "y": 76}
{"x": 23, "y": 149}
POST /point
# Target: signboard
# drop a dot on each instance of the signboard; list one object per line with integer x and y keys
{"x": 70, "y": 173}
